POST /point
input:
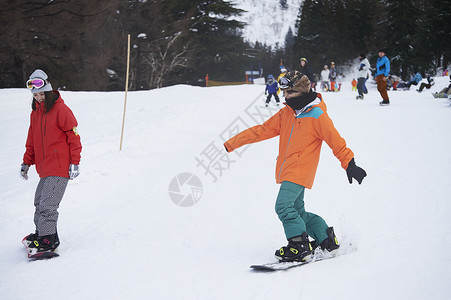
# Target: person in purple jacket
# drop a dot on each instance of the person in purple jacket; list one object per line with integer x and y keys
{"x": 271, "y": 89}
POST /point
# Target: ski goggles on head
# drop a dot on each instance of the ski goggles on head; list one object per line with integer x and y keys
{"x": 285, "y": 83}
{"x": 36, "y": 82}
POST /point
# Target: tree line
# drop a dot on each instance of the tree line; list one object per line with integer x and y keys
{"x": 415, "y": 33}
{"x": 82, "y": 44}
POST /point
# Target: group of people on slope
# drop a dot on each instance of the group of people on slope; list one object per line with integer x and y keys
{"x": 396, "y": 82}
{"x": 330, "y": 79}
{"x": 381, "y": 76}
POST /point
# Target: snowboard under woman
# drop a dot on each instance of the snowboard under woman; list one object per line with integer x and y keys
{"x": 54, "y": 146}
{"x": 302, "y": 126}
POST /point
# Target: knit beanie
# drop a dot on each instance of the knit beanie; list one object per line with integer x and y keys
{"x": 38, "y": 73}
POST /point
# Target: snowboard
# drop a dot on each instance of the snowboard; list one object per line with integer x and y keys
{"x": 38, "y": 255}
{"x": 43, "y": 255}
{"x": 440, "y": 95}
{"x": 280, "y": 266}
{"x": 318, "y": 255}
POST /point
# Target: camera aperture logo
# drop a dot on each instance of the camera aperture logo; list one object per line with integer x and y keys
{"x": 185, "y": 189}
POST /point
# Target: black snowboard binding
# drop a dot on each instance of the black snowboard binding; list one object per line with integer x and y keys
{"x": 298, "y": 249}
{"x": 43, "y": 243}
{"x": 330, "y": 243}
{"x": 30, "y": 238}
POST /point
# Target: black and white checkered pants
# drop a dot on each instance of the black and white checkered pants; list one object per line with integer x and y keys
{"x": 47, "y": 199}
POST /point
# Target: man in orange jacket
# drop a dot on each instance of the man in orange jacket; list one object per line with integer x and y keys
{"x": 302, "y": 126}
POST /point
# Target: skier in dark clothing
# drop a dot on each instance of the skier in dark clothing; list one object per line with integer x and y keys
{"x": 362, "y": 76}
{"x": 271, "y": 90}
{"x": 427, "y": 85}
{"x": 305, "y": 69}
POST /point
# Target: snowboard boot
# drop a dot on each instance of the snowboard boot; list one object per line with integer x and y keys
{"x": 298, "y": 249}
{"x": 330, "y": 243}
{"x": 384, "y": 103}
{"x": 44, "y": 244}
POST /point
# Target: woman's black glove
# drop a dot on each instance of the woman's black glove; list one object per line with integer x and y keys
{"x": 353, "y": 171}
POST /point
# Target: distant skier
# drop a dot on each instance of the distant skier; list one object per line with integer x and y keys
{"x": 430, "y": 82}
{"x": 354, "y": 85}
{"x": 395, "y": 80}
{"x": 362, "y": 75}
{"x": 302, "y": 126}
{"x": 283, "y": 71}
{"x": 271, "y": 90}
{"x": 340, "y": 78}
{"x": 445, "y": 92}
{"x": 325, "y": 79}
{"x": 54, "y": 146}
{"x": 415, "y": 80}
{"x": 305, "y": 69}
{"x": 333, "y": 77}
{"x": 382, "y": 71}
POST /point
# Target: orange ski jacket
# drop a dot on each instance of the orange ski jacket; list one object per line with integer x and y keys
{"x": 300, "y": 141}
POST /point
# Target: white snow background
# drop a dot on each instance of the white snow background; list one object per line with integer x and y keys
{"x": 123, "y": 238}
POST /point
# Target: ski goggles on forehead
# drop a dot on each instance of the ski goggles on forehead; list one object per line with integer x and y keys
{"x": 36, "y": 82}
{"x": 285, "y": 83}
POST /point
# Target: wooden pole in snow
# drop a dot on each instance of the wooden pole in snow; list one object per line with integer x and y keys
{"x": 126, "y": 89}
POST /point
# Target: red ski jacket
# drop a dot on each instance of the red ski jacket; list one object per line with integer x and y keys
{"x": 53, "y": 142}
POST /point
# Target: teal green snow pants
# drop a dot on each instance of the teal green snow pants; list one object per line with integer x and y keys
{"x": 291, "y": 211}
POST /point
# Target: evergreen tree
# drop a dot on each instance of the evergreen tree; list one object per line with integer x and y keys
{"x": 289, "y": 44}
{"x": 58, "y": 37}
{"x": 309, "y": 35}
{"x": 436, "y": 31}
{"x": 220, "y": 50}
{"x": 402, "y": 31}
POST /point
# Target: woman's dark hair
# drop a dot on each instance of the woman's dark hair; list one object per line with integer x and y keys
{"x": 50, "y": 98}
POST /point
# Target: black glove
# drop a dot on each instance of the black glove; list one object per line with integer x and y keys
{"x": 353, "y": 171}
{"x": 381, "y": 67}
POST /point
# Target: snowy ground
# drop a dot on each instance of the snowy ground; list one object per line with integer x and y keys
{"x": 123, "y": 238}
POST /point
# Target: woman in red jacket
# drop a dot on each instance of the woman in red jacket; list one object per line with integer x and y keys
{"x": 54, "y": 146}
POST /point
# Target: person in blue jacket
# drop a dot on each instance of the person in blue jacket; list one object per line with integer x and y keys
{"x": 382, "y": 70}
{"x": 271, "y": 90}
{"x": 415, "y": 80}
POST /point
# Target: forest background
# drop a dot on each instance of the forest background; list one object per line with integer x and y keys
{"x": 83, "y": 44}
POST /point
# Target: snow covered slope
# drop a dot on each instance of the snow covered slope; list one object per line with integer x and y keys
{"x": 268, "y": 21}
{"x": 122, "y": 237}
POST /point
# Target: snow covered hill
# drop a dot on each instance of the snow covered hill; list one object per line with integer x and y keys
{"x": 268, "y": 21}
{"x": 123, "y": 237}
